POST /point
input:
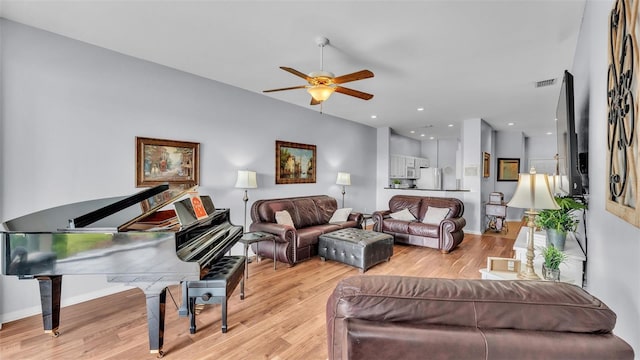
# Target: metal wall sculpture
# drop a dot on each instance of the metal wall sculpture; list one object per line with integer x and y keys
{"x": 623, "y": 169}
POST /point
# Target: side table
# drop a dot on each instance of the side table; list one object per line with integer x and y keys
{"x": 256, "y": 237}
{"x": 497, "y": 213}
{"x": 366, "y": 217}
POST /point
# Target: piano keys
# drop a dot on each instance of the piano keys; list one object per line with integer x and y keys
{"x": 137, "y": 240}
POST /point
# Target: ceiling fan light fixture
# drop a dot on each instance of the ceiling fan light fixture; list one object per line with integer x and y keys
{"x": 320, "y": 92}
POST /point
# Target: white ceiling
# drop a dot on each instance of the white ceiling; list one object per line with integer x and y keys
{"x": 456, "y": 59}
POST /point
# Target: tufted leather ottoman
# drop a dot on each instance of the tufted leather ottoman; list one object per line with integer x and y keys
{"x": 214, "y": 288}
{"x": 360, "y": 248}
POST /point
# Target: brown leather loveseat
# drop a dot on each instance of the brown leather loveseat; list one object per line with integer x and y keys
{"x": 445, "y": 233}
{"x": 398, "y": 317}
{"x": 310, "y": 216}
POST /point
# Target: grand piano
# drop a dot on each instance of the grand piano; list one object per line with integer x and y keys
{"x": 139, "y": 240}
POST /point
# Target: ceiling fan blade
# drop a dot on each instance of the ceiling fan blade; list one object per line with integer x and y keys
{"x": 356, "y": 93}
{"x": 295, "y": 72}
{"x": 315, "y": 102}
{"x": 287, "y": 88}
{"x": 358, "y": 75}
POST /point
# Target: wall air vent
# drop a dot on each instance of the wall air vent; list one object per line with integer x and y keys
{"x": 544, "y": 83}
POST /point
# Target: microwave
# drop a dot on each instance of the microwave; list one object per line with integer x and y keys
{"x": 411, "y": 173}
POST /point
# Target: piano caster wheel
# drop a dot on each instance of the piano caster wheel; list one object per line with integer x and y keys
{"x": 160, "y": 354}
{"x": 241, "y": 297}
{"x": 224, "y": 329}
{"x": 54, "y": 333}
{"x": 192, "y": 330}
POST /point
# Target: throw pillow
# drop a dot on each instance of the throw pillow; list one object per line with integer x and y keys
{"x": 403, "y": 214}
{"x": 284, "y": 218}
{"x": 340, "y": 215}
{"x": 434, "y": 215}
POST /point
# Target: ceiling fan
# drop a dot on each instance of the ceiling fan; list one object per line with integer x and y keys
{"x": 323, "y": 83}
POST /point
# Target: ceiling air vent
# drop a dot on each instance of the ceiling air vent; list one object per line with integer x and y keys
{"x": 544, "y": 83}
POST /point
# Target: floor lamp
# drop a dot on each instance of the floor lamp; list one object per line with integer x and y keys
{"x": 344, "y": 179}
{"x": 246, "y": 180}
{"x": 532, "y": 193}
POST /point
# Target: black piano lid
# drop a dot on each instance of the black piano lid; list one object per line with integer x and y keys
{"x": 90, "y": 218}
{"x": 106, "y": 213}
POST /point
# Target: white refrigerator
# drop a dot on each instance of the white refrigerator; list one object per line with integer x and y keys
{"x": 430, "y": 178}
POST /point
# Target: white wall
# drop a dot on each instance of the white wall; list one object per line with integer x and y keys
{"x": 509, "y": 144}
{"x": 472, "y": 148}
{"x": 447, "y": 149}
{"x": 71, "y": 112}
{"x": 613, "y": 245}
{"x": 429, "y": 149}
{"x": 402, "y": 145}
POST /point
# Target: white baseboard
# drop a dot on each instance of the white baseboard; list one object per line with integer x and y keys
{"x": 34, "y": 310}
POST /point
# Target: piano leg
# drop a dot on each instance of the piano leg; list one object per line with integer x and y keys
{"x": 184, "y": 310}
{"x": 50, "y": 289}
{"x": 192, "y": 315}
{"x": 155, "y": 320}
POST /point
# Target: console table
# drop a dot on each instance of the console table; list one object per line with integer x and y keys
{"x": 571, "y": 271}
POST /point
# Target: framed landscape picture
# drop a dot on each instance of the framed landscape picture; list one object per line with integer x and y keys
{"x": 486, "y": 164}
{"x": 161, "y": 161}
{"x": 508, "y": 169}
{"x": 295, "y": 163}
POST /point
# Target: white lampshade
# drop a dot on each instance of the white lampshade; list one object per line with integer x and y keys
{"x": 533, "y": 192}
{"x": 320, "y": 92}
{"x": 246, "y": 179}
{"x": 343, "y": 178}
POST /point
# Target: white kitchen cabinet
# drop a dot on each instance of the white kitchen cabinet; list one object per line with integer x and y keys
{"x": 398, "y": 168}
{"x": 422, "y": 162}
{"x": 410, "y": 161}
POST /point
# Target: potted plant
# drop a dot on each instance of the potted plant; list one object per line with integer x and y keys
{"x": 396, "y": 183}
{"x": 558, "y": 222}
{"x": 553, "y": 257}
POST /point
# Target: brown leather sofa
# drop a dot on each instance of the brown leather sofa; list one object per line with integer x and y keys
{"x": 444, "y": 236}
{"x": 396, "y": 317}
{"x": 310, "y": 215}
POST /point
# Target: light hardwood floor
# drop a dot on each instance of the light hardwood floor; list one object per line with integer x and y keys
{"x": 281, "y": 317}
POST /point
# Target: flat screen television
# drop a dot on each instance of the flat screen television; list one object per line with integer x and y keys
{"x": 569, "y": 180}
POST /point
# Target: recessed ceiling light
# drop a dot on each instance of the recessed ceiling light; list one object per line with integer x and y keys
{"x": 412, "y": 131}
{"x": 511, "y": 123}
{"x": 374, "y": 116}
{"x": 556, "y": 119}
{"x": 549, "y": 133}
{"x": 431, "y": 138}
{"x": 450, "y": 125}
{"x": 421, "y": 134}
{"x": 420, "y": 109}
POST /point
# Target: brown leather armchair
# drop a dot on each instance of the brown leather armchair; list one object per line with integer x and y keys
{"x": 310, "y": 215}
{"x": 444, "y": 236}
{"x": 398, "y": 317}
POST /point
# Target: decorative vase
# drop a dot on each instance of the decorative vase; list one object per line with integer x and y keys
{"x": 550, "y": 274}
{"x": 556, "y": 239}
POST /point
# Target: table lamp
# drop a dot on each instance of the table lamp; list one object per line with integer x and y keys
{"x": 532, "y": 193}
{"x": 246, "y": 180}
{"x": 344, "y": 179}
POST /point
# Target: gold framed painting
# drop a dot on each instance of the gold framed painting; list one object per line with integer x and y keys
{"x": 486, "y": 164}
{"x": 508, "y": 169}
{"x": 160, "y": 161}
{"x": 295, "y": 163}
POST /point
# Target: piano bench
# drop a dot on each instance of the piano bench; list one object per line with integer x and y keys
{"x": 214, "y": 288}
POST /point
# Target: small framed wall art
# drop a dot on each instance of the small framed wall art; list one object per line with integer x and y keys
{"x": 161, "y": 161}
{"x": 295, "y": 163}
{"x": 508, "y": 169}
{"x": 486, "y": 164}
